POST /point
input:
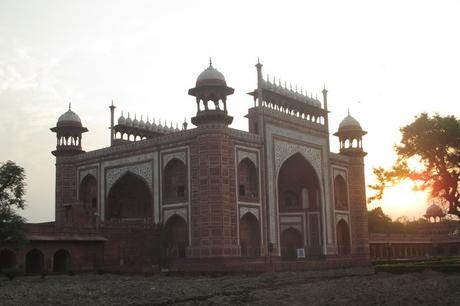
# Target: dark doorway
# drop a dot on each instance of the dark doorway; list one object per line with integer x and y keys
{"x": 291, "y": 240}
{"x": 177, "y": 237}
{"x": 61, "y": 261}
{"x": 34, "y": 261}
{"x": 249, "y": 236}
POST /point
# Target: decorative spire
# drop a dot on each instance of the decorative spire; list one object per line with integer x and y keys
{"x": 70, "y": 105}
{"x": 210, "y": 62}
{"x": 348, "y": 111}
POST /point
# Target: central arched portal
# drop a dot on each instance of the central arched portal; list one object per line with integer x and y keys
{"x": 299, "y": 206}
{"x": 129, "y": 198}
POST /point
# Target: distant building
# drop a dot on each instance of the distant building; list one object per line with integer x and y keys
{"x": 209, "y": 198}
{"x": 438, "y": 237}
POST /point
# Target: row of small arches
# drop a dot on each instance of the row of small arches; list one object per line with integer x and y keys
{"x": 295, "y": 113}
{"x": 354, "y": 143}
{"x": 35, "y": 261}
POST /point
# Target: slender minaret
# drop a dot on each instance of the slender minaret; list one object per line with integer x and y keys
{"x": 259, "y": 82}
{"x": 112, "y": 119}
{"x": 325, "y": 106}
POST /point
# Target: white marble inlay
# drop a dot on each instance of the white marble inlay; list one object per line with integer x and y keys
{"x": 252, "y": 156}
{"x": 167, "y": 157}
{"x": 251, "y": 210}
{"x": 168, "y": 213}
{"x": 143, "y": 170}
{"x": 85, "y": 172}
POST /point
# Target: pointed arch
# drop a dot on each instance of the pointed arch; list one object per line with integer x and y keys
{"x": 176, "y": 235}
{"x": 61, "y": 261}
{"x": 175, "y": 180}
{"x": 248, "y": 181}
{"x": 291, "y": 240}
{"x": 35, "y": 262}
{"x": 129, "y": 198}
{"x": 249, "y": 229}
{"x": 343, "y": 238}
{"x": 88, "y": 192}
{"x": 298, "y": 185}
{"x": 340, "y": 193}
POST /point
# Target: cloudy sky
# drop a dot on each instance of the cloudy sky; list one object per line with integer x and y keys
{"x": 385, "y": 60}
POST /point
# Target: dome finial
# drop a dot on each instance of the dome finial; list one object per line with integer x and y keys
{"x": 70, "y": 105}
{"x": 348, "y": 111}
{"x": 210, "y": 62}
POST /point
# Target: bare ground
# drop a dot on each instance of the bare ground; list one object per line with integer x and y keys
{"x": 334, "y": 287}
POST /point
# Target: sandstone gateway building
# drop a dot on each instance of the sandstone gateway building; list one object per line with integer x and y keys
{"x": 208, "y": 198}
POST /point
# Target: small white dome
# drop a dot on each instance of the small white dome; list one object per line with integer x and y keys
{"x": 211, "y": 76}
{"x": 69, "y": 118}
{"x": 349, "y": 123}
{"x": 122, "y": 119}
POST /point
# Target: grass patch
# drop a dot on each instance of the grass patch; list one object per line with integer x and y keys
{"x": 439, "y": 264}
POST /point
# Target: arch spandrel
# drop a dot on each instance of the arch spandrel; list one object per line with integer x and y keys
{"x": 252, "y": 156}
{"x": 176, "y": 155}
{"x": 143, "y": 170}
{"x": 84, "y": 173}
{"x": 251, "y": 210}
{"x": 181, "y": 212}
{"x": 284, "y": 150}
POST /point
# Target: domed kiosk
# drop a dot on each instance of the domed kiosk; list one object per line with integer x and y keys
{"x": 69, "y": 130}
{"x": 435, "y": 213}
{"x": 350, "y": 135}
{"x": 211, "y": 86}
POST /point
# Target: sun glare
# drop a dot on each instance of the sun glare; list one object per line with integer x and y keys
{"x": 402, "y": 200}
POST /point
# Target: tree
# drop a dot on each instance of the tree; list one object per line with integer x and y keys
{"x": 378, "y": 221}
{"x": 12, "y": 186}
{"x": 435, "y": 143}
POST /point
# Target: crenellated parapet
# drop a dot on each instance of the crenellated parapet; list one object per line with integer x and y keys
{"x": 281, "y": 98}
{"x": 128, "y": 129}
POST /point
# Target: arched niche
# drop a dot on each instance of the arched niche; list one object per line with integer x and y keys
{"x": 298, "y": 185}
{"x": 291, "y": 240}
{"x": 340, "y": 193}
{"x": 176, "y": 235}
{"x": 175, "y": 181}
{"x": 61, "y": 261}
{"x": 248, "y": 182}
{"x": 35, "y": 262}
{"x": 88, "y": 192}
{"x": 249, "y": 229}
{"x": 343, "y": 238}
{"x": 129, "y": 198}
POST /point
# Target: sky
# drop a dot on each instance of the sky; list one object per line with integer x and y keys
{"x": 386, "y": 61}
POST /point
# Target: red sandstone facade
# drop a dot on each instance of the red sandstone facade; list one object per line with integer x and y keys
{"x": 209, "y": 198}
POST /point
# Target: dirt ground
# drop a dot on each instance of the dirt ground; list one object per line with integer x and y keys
{"x": 339, "y": 287}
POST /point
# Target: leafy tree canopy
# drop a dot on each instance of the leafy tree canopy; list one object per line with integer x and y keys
{"x": 379, "y": 222}
{"x": 435, "y": 143}
{"x": 12, "y": 187}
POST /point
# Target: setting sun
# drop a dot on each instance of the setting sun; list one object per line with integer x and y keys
{"x": 402, "y": 200}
